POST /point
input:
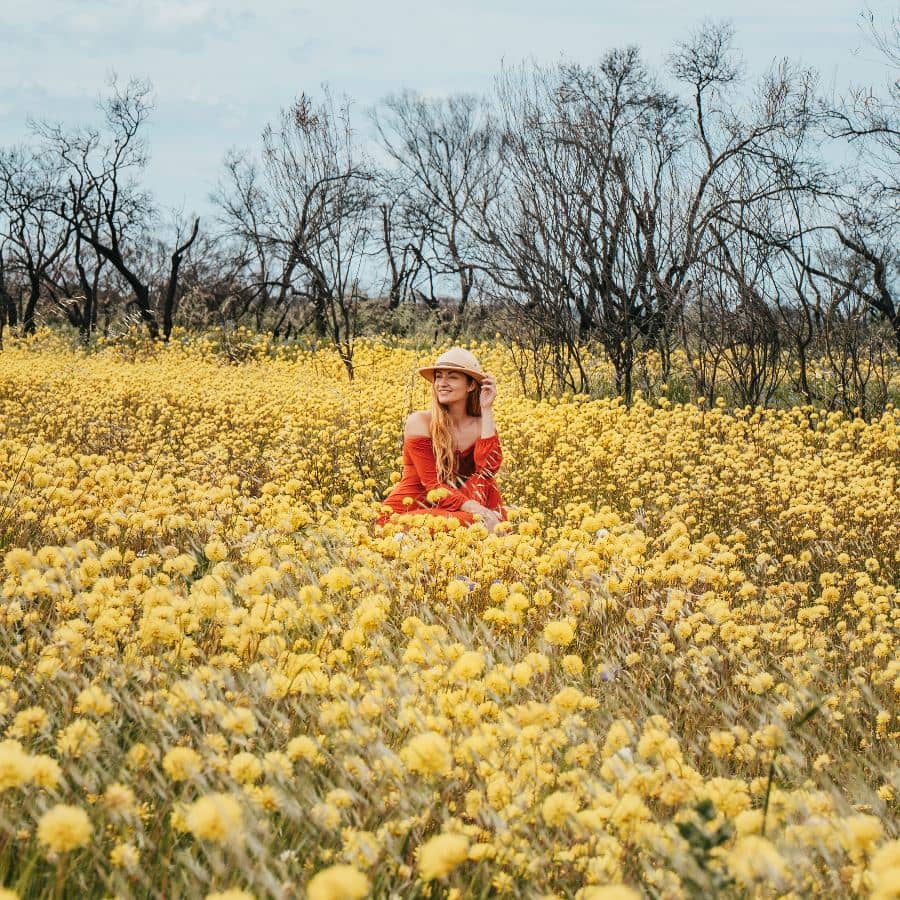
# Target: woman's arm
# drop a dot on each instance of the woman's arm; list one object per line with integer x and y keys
{"x": 488, "y": 393}
{"x": 488, "y": 428}
{"x": 488, "y": 456}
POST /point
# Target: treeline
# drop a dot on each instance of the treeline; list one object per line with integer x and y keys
{"x": 751, "y": 225}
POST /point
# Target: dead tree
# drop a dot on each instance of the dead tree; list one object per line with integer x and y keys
{"x": 35, "y": 237}
{"x": 315, "y": 202}
{"x": 581, "y": 214}
{"x": 443, "y": 153}
{"x": 867, "y": 222}
{"x": 102, "y": 201}
{"x": 403, "y": 233}
{"x": 305, "y": 216}
{"x": 249, "y": 228}
{"x": 6, "y": 305}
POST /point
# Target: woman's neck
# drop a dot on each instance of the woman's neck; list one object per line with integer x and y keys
{"x": 457, "y": 413}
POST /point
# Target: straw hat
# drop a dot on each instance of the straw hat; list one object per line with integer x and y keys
{"x": 457, "y": 359}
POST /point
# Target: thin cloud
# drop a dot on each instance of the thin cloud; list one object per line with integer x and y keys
{"x": 222, "y": 69}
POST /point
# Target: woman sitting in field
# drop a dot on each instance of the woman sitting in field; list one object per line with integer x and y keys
{"x": 452, "y": 453}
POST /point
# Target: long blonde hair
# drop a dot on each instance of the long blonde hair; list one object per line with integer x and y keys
{"x": 442, "y": 434}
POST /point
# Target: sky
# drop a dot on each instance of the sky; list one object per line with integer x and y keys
{"x": 222, "y": 69}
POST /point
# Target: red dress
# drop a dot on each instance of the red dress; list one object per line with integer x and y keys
{"x": 473, "y": 479}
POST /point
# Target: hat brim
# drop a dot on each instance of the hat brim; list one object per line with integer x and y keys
{"x": 427, "y": 372}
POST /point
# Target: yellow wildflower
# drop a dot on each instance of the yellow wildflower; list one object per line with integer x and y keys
{"x": 440, "y": 855}
{"x": 216, "y": 817}
{"x": 339, "y": 882}
{"x": 428, "y": 754}
{"x": 63, "y": 828}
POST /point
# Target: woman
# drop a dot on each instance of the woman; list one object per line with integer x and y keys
{"x": 452, "y": 453}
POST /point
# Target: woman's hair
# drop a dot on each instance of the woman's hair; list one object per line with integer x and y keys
{"x": 442, "y": 435}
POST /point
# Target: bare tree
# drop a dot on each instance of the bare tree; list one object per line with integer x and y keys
{"x": 581, "y": 220}
{"x": 34, "y": 236}
{"x": 102, "y": 201}
{"x": 215, "y": 285}
{"x": 403, "y": 236}
{"x": 184, "y": 239}
{"x": 855, "y": 348}
{"x": 614, "y": 192}
{"x": 7, "y": 308}
{"x": 869, "y": 120}
{"x": 308, "y": 215}
{"x": 798, "y": 300}
{"x": 443, "y": 153}
{"x": 753, "y": 354}
{"x": 248, "y": 222}
{"x": 867, "y": 222}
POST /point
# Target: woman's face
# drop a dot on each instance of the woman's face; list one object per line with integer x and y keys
{"x": 451, "y": 386}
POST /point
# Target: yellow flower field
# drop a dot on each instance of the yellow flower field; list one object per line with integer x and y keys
{"x": 673, "y": 674}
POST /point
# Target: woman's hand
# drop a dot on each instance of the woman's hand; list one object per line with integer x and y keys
{"x": 488, "y": 392}
{"x": 491, "y": 520}
{"x": 490, "y": 517}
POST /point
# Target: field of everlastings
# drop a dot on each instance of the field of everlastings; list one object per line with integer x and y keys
{"x": 673, "y": 675}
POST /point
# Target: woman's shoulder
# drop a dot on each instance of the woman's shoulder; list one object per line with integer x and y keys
{"x": 418, "y": 425}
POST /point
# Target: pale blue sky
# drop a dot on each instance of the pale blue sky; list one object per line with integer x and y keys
{"x": 221, "y": 69}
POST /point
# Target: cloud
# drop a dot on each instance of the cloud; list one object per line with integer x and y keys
{"x": 221, "y": 69}
{"x": 101, "y": 26}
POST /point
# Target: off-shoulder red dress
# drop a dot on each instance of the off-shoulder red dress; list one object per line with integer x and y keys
{"x": 473, "y": 479}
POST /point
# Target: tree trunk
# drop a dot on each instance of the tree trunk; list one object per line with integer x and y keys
{"x": 89, "y": 313}
{"x": 320, "y": 319}
{"x": 172, "y": 287}
{"x": 347, "y": 359}
{"x": 142, "y": 297}
{"x": 34, "y": 292}
{"x": 5, "y": 301}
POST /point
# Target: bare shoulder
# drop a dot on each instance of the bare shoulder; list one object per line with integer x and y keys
{"x": 417, "y": 424}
